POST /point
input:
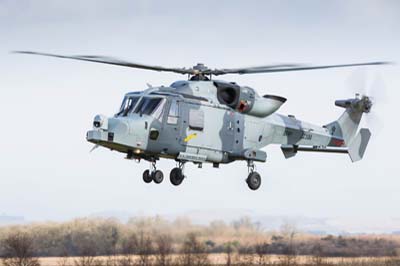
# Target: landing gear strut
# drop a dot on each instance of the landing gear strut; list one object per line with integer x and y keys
{"x": 153, "y": 174}
{"x": 254, "y": 179}
{"x": 176, "y": 176}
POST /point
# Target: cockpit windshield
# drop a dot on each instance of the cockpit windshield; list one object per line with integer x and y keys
{"x": 146, "y": 106}
{"x": 127, "y": 105}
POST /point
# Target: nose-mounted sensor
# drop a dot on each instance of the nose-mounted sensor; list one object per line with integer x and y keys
{"x": 100, "y": 122}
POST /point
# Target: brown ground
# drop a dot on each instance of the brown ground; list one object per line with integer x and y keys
{"x": 220, "y": 259}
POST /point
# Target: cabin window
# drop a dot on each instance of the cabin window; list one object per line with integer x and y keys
{"x": 196, "y": 119}
{"x": 173, "y": 113}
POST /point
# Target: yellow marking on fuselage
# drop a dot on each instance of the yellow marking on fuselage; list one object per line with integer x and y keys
{"x": 191, "y": 136}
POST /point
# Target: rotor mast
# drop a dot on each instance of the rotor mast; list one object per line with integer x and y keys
{"x": 199, "y": 73}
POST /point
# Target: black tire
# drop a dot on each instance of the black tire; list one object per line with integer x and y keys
{"x": 147, "y": 178}
{"x": 158, "y": 176}
{"x": 254, "y": 180}
{"x": 176, "y": 176}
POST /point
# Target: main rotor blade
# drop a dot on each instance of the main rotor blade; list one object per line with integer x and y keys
{"x": 200, "y": 69}
{"x": 270, "y": 69}
{"x": 245, "y": 70}
{"x": 113, "y": 61}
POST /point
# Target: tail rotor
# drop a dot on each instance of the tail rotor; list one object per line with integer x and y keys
{"x": 373, "y": 95}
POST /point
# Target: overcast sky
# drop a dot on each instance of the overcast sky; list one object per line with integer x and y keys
{"x": 47, "y": 105}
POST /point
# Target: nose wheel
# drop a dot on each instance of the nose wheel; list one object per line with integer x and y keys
{"x": 153, "y": 174}
{"x": 158, "y": 176}
{"x": 253, "y": 179}
{"x": 147, "y": 178}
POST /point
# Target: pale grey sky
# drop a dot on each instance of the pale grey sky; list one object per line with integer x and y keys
{"x": 47, "y": 105}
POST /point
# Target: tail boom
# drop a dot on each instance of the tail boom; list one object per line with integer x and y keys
{"x": 339, "y": 136}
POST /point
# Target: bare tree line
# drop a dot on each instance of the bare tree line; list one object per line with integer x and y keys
{"x": 155, "y": 241}
{"x": 159, "y": 251}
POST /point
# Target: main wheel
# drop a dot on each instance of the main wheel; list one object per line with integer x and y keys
{"x": 254, "y": 180}
{"x": 158, "y": 176}
{"x": 147, "y": 178}
{"x": 176, "y": 176}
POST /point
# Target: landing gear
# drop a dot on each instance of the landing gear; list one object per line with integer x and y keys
{"x": 176, "y": 176}
{"x": 147, "y": 178}
{"x": 254, "y": 179}
{"x": 158, "y": 176}
{"x": 153, "y": 174}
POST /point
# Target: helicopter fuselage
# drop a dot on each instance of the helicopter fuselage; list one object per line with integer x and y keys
{"x": 187, "y": 122}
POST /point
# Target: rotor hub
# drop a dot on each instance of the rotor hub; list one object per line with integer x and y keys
{"x": 200, "y": 67}
{"x": 367, "y": 104}
{"x": 199, "y": 72}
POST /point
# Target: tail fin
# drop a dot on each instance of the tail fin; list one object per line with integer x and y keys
{"x": 346, "y": 126}
{"x": 359, "y": 144}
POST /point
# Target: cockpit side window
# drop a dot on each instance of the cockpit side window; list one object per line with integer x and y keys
{"x": 158, "y": 112}
{"x": 127, "y": 105}
{"x": 147, "y": 105}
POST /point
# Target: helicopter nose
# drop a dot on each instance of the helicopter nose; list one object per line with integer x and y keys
{"x": 118, "y": 126}
{"x": 107, "y": 130}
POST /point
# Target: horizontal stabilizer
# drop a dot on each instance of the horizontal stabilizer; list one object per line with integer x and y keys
{"x": 356, "y": 149}
{"x": 290, "y": 151}
{"x": 359, "y": 144}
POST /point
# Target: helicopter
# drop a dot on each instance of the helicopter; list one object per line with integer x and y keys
{"x": 204, "y": 120}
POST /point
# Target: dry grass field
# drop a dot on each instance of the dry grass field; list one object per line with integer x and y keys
{"x": 221, "y": 259}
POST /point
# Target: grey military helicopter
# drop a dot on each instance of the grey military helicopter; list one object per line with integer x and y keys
{"x": 202, "y": 120}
